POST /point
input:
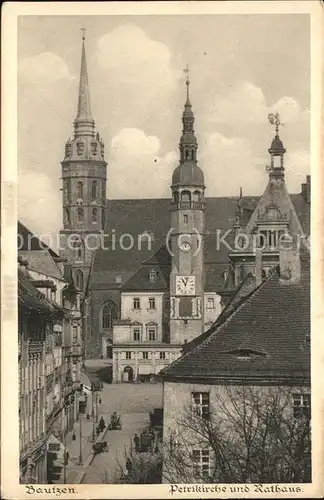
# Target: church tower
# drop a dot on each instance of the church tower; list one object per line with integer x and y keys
{"x": 186, "y": 237}
{"x": 84, "y": 173}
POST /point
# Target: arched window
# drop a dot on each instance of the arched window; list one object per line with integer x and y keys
{"x": 79, "y": 279}
{"x": 78, "y": 248}
{"x": 80, "y": 190}
{"x": 80, "y": 214}
{"x": 94, "y": 215}
{"x": 187, "y": 154}
{"x": 94, "y": 190}
{"x": 192, "y": 155}
{"x": 109, "y": 314}
{"x": 196, "y": 196}
{"x": 67, "y": 216}
{"x": 185, "y": 196}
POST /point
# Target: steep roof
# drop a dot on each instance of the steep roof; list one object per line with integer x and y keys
{"x": 41, "y": 261}
{"x": 265, "y": 338}
{"x": 26, "y": 240}
{"x": 32, "y": 299}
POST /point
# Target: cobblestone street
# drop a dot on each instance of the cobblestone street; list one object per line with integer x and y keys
{"x": 133, "y": 402}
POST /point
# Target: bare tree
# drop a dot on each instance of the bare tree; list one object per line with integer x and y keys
{"x": 146, "y": 469}
{"x": 249, "y": 434}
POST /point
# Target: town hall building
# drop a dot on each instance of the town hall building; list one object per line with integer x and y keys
{"x": 143, "y": 302}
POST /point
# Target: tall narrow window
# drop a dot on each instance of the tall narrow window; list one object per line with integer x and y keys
{"x": 201, "y": 463}
{"x": 302, "y": 405}
{"x": 185, "y": 219}
{"x": 200, "y": 403}
{"x": 94, "y": 215}
{"x": 74, "y": 335}
{"x": 80, "y": 214}
{"x": 152, "y": 303}
{"x": 136, "y": 303}
{"x": 152, "y": 334}
{"x": 78, "y": 250}
{"x": 109, "y": 314}
{"x": 137, "y": 334}
{"x": 68, "y": 190}
{"x": 79, "y": 279}
{"x": 80, "y": 190}
{"x": 67, "y": 216}
{"x": 94, "y": 190}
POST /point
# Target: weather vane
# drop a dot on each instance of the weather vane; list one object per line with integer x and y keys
{"x": 274, "y": 119}
{"x": 83, "y": 33}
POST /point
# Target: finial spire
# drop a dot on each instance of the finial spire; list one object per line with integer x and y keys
{"x": 186, "y": 72}
{"x": 84, "y": 123}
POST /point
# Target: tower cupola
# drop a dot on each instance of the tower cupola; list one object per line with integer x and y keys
{"x": 276, "y": 150}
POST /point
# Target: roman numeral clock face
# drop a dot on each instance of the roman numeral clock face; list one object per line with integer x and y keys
{"x": 185, "y": 285}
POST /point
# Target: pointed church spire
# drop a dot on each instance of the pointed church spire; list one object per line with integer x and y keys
{"x": 84, "y": 123}
{"x": 188, "y": 142}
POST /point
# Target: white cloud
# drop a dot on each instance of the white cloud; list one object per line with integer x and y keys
{"x": 44, "y": 69}
{"x": 246, "y": 104}
{"x": 38, "y": 206}
{"x": 137, "y": 168}
{"x": 229, "y": 163}
{"x": 297, "y": 167}
{"x": 128, "y": 50}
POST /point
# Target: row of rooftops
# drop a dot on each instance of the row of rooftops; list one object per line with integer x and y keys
{"x": 262, "y": 336}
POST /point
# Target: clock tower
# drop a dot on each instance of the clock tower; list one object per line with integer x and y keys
{"x": 186, "y": 237}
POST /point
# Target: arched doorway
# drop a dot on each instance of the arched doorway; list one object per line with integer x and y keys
{"x": 128, "y": 375}
{"x": 108, "y": 348}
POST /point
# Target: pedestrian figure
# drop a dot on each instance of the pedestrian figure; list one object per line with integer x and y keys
{"x": 97, "y": 430}
{"x": 102, "y": 424}
{"x": 137, "y": 443}
{"x": 129, "y": 467}
{"x": 156, "y": 449}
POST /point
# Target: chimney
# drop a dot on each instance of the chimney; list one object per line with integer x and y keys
{"x": 289, "y": 262}
{"x": 258, "y": 267}
{"x": 306, "y": 189}
{"x": 23, "y": 264}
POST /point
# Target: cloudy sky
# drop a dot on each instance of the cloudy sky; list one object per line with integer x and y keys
{"x": 241, "y": 67}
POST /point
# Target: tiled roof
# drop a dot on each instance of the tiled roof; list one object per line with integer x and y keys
{"x": 26, "y": 240}
{"x": 265, "y": 338}
{"x": 31, "y": 298}
{"x": 41, "y": 261}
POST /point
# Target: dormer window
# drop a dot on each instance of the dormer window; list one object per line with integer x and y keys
{"x": 152, "y": 276}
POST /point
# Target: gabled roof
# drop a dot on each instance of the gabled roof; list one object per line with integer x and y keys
{"x": 32, "y": 299}
{"x": 26, "y": 240}
{"x": 265, "y": 339}
{"x": 41, "y": 261}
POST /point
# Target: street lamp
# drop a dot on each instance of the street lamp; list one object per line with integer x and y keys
{"x": 80, "y": 453}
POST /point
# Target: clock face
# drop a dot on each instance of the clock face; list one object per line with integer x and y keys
{"x": 185, "y": 285}
{"x": 185, "y": 246}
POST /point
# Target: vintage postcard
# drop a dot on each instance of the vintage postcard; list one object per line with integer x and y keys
{"x": 162, "y": 269}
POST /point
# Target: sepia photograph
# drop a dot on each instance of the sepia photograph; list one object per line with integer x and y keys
{"x": 163, "y": 256}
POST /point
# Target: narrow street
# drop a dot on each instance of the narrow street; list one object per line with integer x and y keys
{"x": 133, "y": 402}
